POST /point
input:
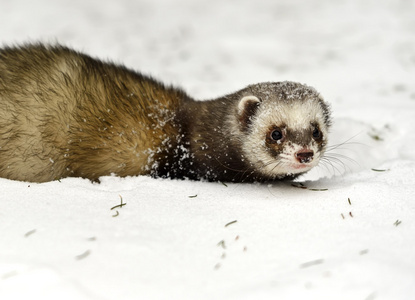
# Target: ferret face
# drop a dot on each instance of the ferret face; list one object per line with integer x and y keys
{"x": 285, "y": 131}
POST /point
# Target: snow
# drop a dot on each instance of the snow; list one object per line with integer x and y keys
{"x": 61, "y": 240}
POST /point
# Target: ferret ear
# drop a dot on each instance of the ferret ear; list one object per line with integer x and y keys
{"x": 247, "y": 107}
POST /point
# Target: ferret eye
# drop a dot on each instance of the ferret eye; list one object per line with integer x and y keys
{"x": 316, "y": 133}
{"x": 276, "y": 134}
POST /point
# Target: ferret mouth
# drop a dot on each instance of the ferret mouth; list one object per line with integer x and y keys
{"x": 289, "y": 166}
{"x": 300, "y": 167}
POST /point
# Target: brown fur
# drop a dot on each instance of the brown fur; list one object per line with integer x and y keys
{"x": 63, "y": 113}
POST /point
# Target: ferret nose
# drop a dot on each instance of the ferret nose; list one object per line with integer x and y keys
{"x": 304, "y": 156}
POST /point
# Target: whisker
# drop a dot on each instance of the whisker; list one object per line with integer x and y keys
{"x": 324, "y": 163}
{"x": 346, "y": 142}
{"x": 335, "y": 169}
{"x": 338, "y": 163}
{"x": 339, "y": 156}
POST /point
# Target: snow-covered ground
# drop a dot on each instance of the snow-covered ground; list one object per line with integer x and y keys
{"x": 347, "y": 232}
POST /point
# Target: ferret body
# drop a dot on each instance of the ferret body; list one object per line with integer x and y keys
{"x": 63, "y": 113}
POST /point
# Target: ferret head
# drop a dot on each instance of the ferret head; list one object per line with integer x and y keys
{"x": 284, "y": 127}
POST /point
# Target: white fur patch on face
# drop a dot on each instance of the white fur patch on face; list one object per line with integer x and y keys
{"x": 295, "y": 116}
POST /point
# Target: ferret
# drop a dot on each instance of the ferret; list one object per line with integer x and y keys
{"x": 64, "y": 113}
